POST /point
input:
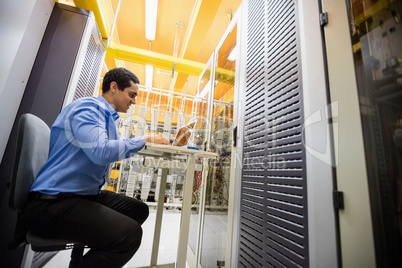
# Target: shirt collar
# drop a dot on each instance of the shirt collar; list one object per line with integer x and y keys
{"x": 112, "y": 111}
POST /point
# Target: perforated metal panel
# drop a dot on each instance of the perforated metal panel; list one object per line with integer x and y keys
{"x": 89, "y": 75}
{"x": 273, "y": 224}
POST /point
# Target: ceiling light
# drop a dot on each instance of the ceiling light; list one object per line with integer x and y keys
{"x": 232, "y": 55}
{"x": 151, "y": 10}
{"x": 149, "y": 71}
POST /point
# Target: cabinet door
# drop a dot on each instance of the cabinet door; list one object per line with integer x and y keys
{"x": 215, "y": 223}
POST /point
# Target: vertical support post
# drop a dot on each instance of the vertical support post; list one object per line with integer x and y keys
{"x": 158, "y": 220}
{"x": 186, "y": 212}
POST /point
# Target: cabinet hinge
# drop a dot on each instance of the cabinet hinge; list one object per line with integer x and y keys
{"x": 338, "y": 200}
{"x": 323, "y": 18}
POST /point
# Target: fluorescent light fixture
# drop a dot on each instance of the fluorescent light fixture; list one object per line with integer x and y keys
{"x": 151, "y": 11}
{"x": 149, "y": 71}
{"x": 232, "y": 55}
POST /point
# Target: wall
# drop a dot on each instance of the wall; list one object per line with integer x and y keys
{"x": 22, "y": 24}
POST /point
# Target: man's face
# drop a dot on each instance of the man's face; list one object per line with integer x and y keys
{"x": 123, "y": 99}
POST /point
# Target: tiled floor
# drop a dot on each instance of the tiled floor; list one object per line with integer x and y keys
{"x": 214, "y": 239}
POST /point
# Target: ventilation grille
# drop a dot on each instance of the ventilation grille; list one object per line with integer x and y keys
{"x": 273, "y": 225}
{"x": 88, "y": 79}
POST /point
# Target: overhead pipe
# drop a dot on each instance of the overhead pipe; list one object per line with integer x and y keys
{"x": 142, "y": 56}
{"x": 94, "y": 6}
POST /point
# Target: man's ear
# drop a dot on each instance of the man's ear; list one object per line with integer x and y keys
{"x": 113, "y": 86}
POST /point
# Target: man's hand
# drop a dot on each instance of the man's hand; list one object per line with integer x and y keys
{"x": 154, "y": 138}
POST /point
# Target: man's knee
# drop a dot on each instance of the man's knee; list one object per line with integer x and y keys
{"x": 125, "y": 243}
{"x": 145, "y": 213}
{"x": 130, "y": 235}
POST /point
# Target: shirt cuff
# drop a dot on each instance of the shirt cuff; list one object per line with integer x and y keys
{"x": 136, "y": 144}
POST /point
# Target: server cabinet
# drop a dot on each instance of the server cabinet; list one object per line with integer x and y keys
{"x": 286, "y": 218}
{"x": 67, "y": 66}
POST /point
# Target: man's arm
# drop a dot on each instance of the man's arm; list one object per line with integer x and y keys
{"x": 90, "y": 134}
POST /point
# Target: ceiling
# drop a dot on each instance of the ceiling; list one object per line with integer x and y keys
{"x": 204, "y": 23}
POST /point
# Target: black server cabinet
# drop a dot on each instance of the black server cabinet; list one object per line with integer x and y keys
{"x": 67, "y": 67}
{"x": 273, "y": 213}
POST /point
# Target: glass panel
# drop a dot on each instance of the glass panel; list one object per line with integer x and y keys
{"x": 200, "y": 111}
{"x": 213, "y": 245}
{"x": 376, "y": 32}
{"x": 200, "y": 108}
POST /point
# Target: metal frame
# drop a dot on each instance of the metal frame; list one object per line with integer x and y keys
{"x": 192, "y": 259}
{"x": 170, "y": 154}
{"x": 237, "y": 163}
{"x": 235, "y": 21}
{"x": 164, "y": 92}
{"x": 318, "y": 141}
{"x": 195, "y": 259}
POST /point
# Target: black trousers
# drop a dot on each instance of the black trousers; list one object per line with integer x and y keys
{"x": 109, "y": 223}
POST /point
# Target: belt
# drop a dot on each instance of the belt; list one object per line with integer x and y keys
{"x": 38, "y": 195}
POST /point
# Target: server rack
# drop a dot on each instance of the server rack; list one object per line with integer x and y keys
{"x": 67, "y": 66}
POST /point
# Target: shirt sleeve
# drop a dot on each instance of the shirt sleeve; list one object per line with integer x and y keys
{"x": 90, "y": 132}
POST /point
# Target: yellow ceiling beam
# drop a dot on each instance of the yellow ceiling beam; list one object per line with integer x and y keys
{"x": 370, "y": 11}
{"x": 142, "y": 56}
{"x": 94, "y": 6}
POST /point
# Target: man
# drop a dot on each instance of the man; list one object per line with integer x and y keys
{"x": 66, "y": 201}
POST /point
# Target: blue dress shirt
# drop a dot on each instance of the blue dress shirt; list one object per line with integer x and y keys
{"x": 83, "y": 142}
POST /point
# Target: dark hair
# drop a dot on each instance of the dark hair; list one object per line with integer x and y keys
{"x": 121, "y": 76}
